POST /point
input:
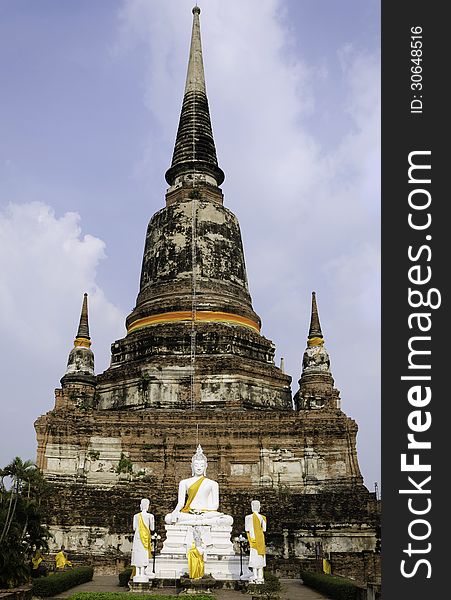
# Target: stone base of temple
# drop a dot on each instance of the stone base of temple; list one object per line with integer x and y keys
{"x": 184, "y": 585}
{"x": 217, "y": 539}
{"x": 204, "y": 585}
{"x": 226, "y": 568}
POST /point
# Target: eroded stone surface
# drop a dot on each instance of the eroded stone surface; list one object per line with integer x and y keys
{"x": 302, "y": 466}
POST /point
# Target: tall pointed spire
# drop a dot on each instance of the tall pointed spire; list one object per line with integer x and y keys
{"x": 193, "y": 308}
{"x": 315, "y": 327}
{"x": 83, "y": 338}
{"x": 194, "y": 152}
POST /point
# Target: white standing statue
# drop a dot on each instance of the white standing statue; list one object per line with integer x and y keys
{"x": 143, "y": 525}
{"x": 255, "y": 526}
{"x": 198, "y": 498}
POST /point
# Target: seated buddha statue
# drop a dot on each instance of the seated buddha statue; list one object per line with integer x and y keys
{"x": 198, "y": 498}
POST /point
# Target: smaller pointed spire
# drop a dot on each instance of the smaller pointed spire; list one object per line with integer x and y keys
{"x": 315, "y": 335}
{"x": 315, "y": 357}
{"x": 316, "y": 385}
{"x": 83, "y": 338}
{"x": 80, "y": 364}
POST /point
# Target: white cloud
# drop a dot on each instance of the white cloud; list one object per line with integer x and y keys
{"x": 46, "y": 264}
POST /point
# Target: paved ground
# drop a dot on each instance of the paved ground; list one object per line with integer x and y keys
{"x": 291, "y": 589}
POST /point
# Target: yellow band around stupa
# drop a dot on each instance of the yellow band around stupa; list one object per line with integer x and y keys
{"x": 83, "y": 342}
{"x": 208, "y": 316}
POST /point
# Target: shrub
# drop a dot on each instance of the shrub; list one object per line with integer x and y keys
{"x": 272, "y": 581}
{"x": 337, "y": 588}
{"x": 124, "y": 465}
{"x": 53, "y": 584}
{"x": 268, "y": 590}
{"x": 124, "y": 576}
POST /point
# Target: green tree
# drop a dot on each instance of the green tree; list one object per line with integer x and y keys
{"x": 20, "y": 519}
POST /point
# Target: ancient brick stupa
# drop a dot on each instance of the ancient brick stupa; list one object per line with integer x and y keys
{"x": 193, "y": 367}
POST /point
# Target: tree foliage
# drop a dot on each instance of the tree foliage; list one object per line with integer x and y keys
{"x": 22, "y": 488}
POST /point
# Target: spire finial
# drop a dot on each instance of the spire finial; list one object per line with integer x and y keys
{"x": 195, "y": 78}
{"x": 83, "y": 338}
{"x": 315, "y": 335}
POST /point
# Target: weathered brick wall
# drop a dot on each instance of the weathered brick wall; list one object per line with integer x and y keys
{"x": 314, "y": 449}
{"x": 98, "y": 507}
{"x": 362, "y": 566}
{"x": 290, "y": 517}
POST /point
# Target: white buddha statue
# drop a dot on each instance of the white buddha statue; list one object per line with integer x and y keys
{"x": 198, "y": 498}
{"x": 255, "y": 526}
{"x": 143, "y": 525}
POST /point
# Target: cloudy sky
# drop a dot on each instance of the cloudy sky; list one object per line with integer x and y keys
{"x": 91, "y": 94}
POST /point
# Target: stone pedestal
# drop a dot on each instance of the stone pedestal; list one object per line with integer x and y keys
{"x": 198, "y": 586}
{"x": 225, "y": 568}
{"x": 216, "y": 539}
{"x": 222, "y": 562}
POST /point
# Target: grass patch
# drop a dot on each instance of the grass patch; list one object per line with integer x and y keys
{"x": 56, "y": 583}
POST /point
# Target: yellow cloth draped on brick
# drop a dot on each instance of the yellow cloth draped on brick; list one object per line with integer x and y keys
{"x": 326, "y": 567}
{"x": 144, "y": 534}
{"x": 196, "y": 565}
{"x": 257, "y": 542}
{"x": 192, "y": 491}
{"x": 36, "y": 559}
{"x": 61, "y": 560}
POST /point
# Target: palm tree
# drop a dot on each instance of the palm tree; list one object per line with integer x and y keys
{"x": 20, "y": 472}
{"x": 3, "y": 474}
{"x": 22, "y": 488}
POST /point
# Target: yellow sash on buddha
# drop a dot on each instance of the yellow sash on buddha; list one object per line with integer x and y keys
{"x": 36, "y": 559}
{"x": 192, "y": 491}
{"x": 326, "y": 567}
{"x": 257, "y": 542}
{"x": 144, "y": 534}
{"x": 61, "y": 560}
{"x": 196, "y": 565}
